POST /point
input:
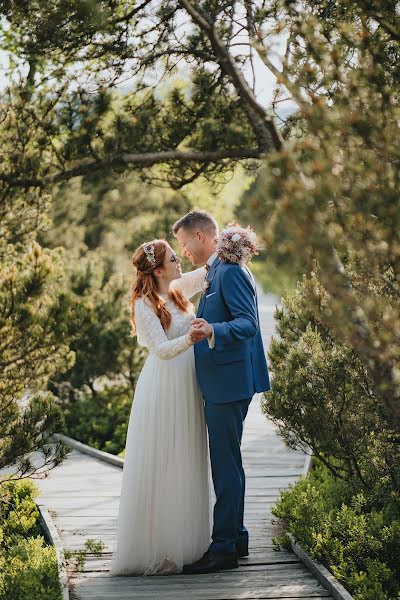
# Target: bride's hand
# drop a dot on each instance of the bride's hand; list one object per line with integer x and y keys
{"x": 190, "y": 336}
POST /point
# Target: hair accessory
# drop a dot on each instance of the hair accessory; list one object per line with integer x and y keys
{"x": 237, "y": 244}
{"x": 149, "y": 252}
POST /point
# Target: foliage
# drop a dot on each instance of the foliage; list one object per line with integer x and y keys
{"x": 100, "y": 418}
{"x": 30, "y": 572}
{"x": 331, "y": 195}
{"x": 101, "y": 130}
{"x": 79, "y": 556}
{"x": 353, "y": 533}
{"x": 36, "y": 317}
{"x": 347, "y": 512}
{"x": 96, "y": 391}
{"x": 322, "y": 396}
{"x": 102, "y": 345}
{"x": 276, "y": 271}
{"x": 28, "y": 566}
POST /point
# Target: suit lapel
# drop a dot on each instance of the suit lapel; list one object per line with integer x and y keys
{"x": 201, "y": 305}
{"x": 209, "y": 278}
{"x": 211, "y": 272}
{"x": 251, "y": 276}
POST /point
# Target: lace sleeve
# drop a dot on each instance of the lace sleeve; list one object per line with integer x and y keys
{"x": 190, "y": 283}
{"x": 151, "y": 334}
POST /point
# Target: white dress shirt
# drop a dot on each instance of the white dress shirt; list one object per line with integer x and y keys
{"x": 211, "y": 259}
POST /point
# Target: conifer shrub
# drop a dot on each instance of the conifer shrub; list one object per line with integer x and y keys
{"x": 346, "y": 513}
{"x": 28, "y": 565}
{"x": 353, "y": 533}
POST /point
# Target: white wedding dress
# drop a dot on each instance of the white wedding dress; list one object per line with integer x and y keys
{"x": 164, "y": 515}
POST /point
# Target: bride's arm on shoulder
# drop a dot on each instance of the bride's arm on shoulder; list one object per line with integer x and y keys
{"x": 151, "y": 334}
{"x": 190, "y": 283}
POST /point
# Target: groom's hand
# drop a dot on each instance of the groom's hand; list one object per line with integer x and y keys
{"x": 200, "y": 330}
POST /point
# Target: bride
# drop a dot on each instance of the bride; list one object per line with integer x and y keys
{"x": 164, "y": 511}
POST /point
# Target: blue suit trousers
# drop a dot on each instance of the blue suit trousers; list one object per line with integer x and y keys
{"x": 225, "y": 428}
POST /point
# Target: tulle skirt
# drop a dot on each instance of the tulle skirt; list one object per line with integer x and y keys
{"x": 164, "y": 511}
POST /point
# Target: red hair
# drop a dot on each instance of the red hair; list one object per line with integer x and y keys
{"x": 145, "y": 284}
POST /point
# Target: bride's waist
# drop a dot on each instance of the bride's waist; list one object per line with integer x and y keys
{"x": 184, "y": 355}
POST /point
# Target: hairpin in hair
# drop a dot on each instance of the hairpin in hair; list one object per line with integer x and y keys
{"x": 149, "y": 252}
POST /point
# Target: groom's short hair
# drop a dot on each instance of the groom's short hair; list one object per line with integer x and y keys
{"x": 197, "y": 219}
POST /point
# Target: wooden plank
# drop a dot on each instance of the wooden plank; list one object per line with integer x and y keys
{"x": 111, "y": 510}
{"x": 78, "y": 542}
{"x": 93, "y": 452}
{"x": 80, "y": 493}
{"x": 297, "y": 575}
{"x": 281, "y": 460}
{"x": 54, "y": 539}
{"x": 325, "y": 577}
{"x": 78, "y": 513}
{"x": 273, "y": 472}
{"x": 186, "y": 594}
{"x": 257, "y": 535}
{"x": 261, "y": 557}
{"x": 259, "y": 573}
{"x": 127, "y": 588}
{"x": 259, "y": 520}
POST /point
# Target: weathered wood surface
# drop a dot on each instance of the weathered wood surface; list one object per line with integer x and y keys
{"x": 82, "y": 495}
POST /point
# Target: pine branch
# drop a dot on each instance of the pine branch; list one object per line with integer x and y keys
{"x": 228, "y": 65}
{"x": 135, "y": 160}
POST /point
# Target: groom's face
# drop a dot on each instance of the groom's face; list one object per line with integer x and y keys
{"x": 192, "y": 245}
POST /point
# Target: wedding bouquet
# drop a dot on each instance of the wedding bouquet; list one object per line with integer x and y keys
{"x": 237, "y": 244}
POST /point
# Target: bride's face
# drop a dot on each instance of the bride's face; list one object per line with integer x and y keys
{"x": 172, "y": 266}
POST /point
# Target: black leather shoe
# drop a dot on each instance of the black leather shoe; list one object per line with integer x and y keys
{"x": 201, "y": 560}
{"x": 211, "y": 563}
{"x": 242, "y": 550}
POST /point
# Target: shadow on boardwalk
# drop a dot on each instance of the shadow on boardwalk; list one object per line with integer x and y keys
{"x": 82, "y": 495}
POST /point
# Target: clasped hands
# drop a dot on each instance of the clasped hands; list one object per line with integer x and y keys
{"x": 200, "y": 330}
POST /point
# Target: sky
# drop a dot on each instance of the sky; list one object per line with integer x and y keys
{"x": 265, "y": 80}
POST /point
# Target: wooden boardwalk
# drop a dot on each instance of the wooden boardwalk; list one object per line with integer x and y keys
{"x": 82, "y": 495}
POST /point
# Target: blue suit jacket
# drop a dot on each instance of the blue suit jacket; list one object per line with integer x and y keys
{"x": 236, "y": 368}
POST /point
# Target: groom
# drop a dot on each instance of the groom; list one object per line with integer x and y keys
{"x": 231, "y": 367}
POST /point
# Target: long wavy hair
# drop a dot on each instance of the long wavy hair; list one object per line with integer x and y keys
{"x": 145, "y": 285}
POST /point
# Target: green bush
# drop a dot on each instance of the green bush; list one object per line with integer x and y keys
{"x": 96, "y": 393}
{"x": 323, "y": 398}
{"x": 28, "y": 567}
{"x": 30, "y": 572}
{"x": 347, "y": 512}
{"x": 101, "y": 419}
{"x": 357, "y": 541}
